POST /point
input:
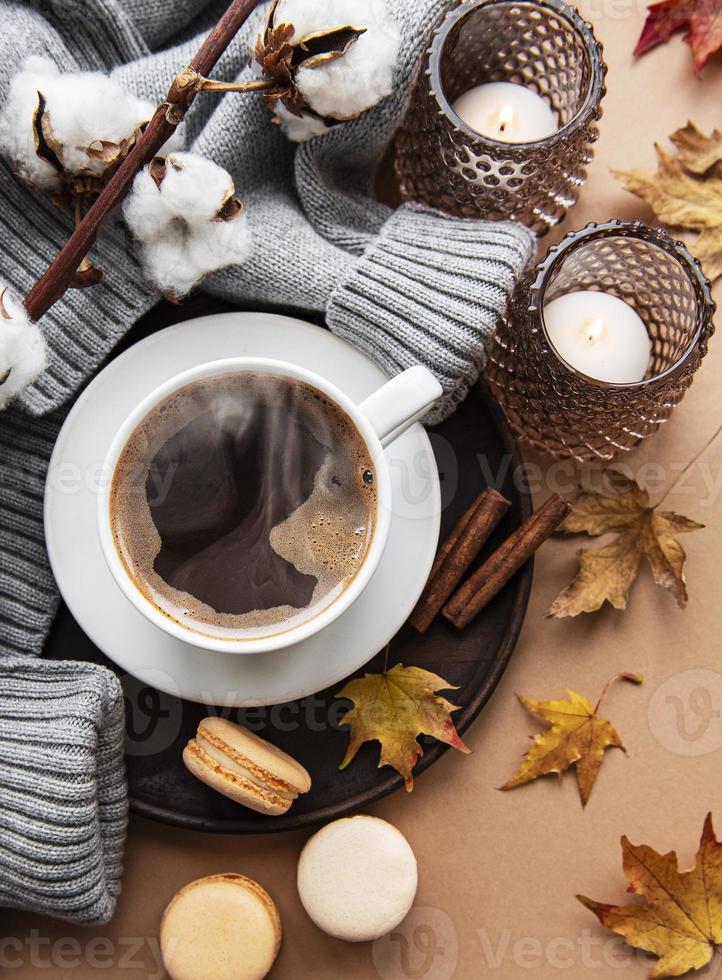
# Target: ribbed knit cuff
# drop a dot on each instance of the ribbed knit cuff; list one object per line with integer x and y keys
{"x": 429, "y": 290}
{"x": 63, "y": 808}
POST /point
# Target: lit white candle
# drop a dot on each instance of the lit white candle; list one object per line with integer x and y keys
{"x": 506, "y": 112}
{"x": 599, "y": 335}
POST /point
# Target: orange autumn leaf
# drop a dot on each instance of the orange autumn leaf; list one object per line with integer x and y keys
{"x": 680, "y": 919}
{"x": 701, "y": 19}
{"x": 394, "y": 708}
{"x": 607, "y": 574}
{"x": 577, "y": 737}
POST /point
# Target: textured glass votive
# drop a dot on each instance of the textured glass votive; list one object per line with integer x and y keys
{"x": 544, "y": 45}
{"x": 566, "y": 413}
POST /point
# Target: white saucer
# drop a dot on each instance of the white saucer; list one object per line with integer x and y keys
{"x": 168, "y": 664}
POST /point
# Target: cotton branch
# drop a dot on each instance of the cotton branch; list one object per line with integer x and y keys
{"x": 257, "y": 85}
{"x": 59, "y": 275}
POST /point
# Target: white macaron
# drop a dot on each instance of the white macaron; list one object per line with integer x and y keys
{"x": 357, "y": 878}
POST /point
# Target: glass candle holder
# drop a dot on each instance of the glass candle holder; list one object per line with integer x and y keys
{"x": 544, "y": 45}
{"x": 564, "y": 412}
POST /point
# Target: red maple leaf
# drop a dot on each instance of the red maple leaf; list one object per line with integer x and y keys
{"x": 701, "y": 19}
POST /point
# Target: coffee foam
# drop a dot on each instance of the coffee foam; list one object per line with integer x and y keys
{"x": 327, "y": 537}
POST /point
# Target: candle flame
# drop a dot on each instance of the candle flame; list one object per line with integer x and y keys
{"x": 506, "y": 117}
{"x": 594, "y": 331}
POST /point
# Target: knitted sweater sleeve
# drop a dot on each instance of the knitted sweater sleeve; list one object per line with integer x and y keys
{"x": 63, "y": 804}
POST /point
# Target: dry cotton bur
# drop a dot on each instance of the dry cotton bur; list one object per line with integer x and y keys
{"x": 317, "y": 62}
{"x": 325, "y": 62}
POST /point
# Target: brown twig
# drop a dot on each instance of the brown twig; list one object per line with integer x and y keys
{"x": 623, "y": 676}
{"x": 57, "y": 278}
{"x": 689, "y": 465}
{"x": 256, "y": 85}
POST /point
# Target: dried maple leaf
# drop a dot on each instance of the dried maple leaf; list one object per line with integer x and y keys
{"x": 394, "y": 708}
{"x": 686, "y": 191}
{"x": 702, "y": 19}
{"x": 607, "y": 574}
{"x": 698, "y": 153}
{"x": 577, "y": 737}
{"x": 681, "y": 919}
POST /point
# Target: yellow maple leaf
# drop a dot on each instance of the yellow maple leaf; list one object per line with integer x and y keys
{"x": 607, "y": 574}
{"x": 394, "y": 708}
{"x": 577, "y": 737}
{"x": 681, "y": 918}
{"x": 686, "y": 190}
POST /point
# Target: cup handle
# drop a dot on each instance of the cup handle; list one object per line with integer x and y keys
{"x": 400, "y": 402}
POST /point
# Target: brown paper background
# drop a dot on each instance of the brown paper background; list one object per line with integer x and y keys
{"x": 499, "y": 871}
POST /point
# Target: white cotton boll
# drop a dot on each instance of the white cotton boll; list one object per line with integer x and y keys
{"x": 87, "y": 109}
{"x": 178, "y": 261}
{"x": 344, "y": 88}
{"x": 23, "y": 354}
{"x": 83, "y": 110}
{"x": 348, "y": 86}
{"x": 181, "y": 238}
{"x": 194, "y": 188}
{"x": 299, "y": 128}
{"x": 17, "y": 141}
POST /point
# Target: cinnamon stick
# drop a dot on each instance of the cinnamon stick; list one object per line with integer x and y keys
{"x": 493, "y": 575}
{"x": 456, "y": 555}
{"x": 57, "y": 278}
{"x": 454, "y": 536}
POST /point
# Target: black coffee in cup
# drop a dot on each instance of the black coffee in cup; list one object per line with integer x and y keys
{"x": 244, "y": 504}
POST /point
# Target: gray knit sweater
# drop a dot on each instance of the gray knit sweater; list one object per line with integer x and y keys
{"x": 407, "y": 286}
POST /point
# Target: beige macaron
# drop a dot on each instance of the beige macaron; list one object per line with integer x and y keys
{"x": 244, "y": 767}
{"x": 224, "y": 927}
{"x": 357, "y": 878}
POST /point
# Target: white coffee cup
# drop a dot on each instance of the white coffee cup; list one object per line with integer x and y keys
{"x": 380, "y": 419}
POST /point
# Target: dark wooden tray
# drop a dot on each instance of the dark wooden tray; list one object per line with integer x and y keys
{"x": 159, "y": 726}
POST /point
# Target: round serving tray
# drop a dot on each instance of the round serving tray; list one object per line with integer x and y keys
{"x": 474, "y": 448}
